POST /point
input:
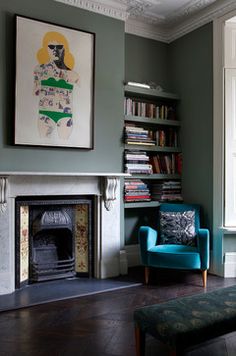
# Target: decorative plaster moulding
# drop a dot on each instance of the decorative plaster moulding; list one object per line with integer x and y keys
{"x": 202, "y": 18}
{"x": 146, "y": 30}
{"x": 107, "y": 8}
{"x": 138, "y": 20}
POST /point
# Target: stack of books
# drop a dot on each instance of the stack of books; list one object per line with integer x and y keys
{"x": 167, "y": 191}
{"x": 136, "y": 191}
{"x": 137, "y": 162}
{"x": 135, "y": 135}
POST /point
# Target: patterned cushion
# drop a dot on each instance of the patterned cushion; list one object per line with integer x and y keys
{"x": 178, "y": 227}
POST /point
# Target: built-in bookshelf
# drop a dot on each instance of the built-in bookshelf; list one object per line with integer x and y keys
{"x": 152, "y": 152}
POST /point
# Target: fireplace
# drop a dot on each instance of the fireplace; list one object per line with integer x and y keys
{"x": 53, "y": 238}
{"x": 103, "y": 191}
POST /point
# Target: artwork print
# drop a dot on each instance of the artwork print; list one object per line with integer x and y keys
{"x": 54, "y": 85}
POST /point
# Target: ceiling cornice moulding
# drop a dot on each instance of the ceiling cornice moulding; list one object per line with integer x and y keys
{"x": 117, "y": 12}
{"x": 159, "y": 31}
{"x": 188, "y": 10}
{"x": 196, "y": 21}
{"x": 142, "y": 29}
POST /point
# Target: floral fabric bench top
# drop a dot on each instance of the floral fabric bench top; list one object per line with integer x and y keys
{"x": 190, "y": 320}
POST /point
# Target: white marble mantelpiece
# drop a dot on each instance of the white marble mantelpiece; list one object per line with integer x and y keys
{"x": 63, "y": 174}
{"x": 104, "y": 186}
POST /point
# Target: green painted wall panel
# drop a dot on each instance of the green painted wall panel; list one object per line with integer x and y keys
{"x": 190, "y": 63}
{"x": 146, "y": 61}
{"x": 109, "y": 76}
{"x": 229, "y": 244}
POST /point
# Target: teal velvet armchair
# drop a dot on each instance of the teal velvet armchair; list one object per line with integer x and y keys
{"x": 178, "y": 242}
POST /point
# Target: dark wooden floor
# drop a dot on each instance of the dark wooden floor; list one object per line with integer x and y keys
{"x": 102, "y": 324}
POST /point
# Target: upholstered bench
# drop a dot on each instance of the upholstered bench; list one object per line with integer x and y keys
{"x": 187, "y": 321}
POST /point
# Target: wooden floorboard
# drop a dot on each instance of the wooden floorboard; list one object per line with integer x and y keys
{"x": 102, "y": 324}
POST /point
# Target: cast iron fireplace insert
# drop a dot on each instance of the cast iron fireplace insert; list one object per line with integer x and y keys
{"x": 54, "y": 238}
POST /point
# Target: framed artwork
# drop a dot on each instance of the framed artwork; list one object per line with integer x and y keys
{"x": 54, "y": 85}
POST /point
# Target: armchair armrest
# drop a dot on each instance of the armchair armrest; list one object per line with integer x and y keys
{"x": 147, "y": 238}
{"x": 203, "y": 240}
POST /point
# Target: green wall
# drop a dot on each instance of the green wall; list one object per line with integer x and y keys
{"x": 109, "y": 77}
{"x": 229, "y": 243}
{"x": 190, "y": 61}
{"x": 146, "y": 61}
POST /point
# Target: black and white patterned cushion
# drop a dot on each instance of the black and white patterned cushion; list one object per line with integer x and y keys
{"x": 178, "y": 227}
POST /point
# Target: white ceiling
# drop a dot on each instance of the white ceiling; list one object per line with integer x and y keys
{"x": 163, "y": 20}
{"x": 163, "y": 12}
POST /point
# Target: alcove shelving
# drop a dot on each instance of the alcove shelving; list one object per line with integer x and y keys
{"x": 152, "y": 153}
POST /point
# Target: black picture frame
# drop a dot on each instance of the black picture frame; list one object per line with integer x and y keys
{"x": 54, "y": 89}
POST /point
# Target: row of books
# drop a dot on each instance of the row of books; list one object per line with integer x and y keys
{"x": 140, "y": 136}
{"x": 136, "y": 190}
{"x": 149, "y": 110}
{"x": 170, "y": 163}
{"x": 167, "y": 138}
{"x": 139, "y": 162}
{"x": 168, "y": 191}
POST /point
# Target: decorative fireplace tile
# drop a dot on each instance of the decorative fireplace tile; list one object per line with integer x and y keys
{"x": 81, "y": 238}
{"x": 24, "y": 243}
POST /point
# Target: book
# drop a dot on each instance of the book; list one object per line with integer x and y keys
{"x": 130, "y": 142}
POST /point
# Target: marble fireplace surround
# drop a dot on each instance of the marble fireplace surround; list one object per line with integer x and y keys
{"x": 105, "y": 187}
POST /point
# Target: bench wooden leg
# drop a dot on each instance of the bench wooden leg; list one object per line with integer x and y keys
{"x": 139, "y": 341}
{"x": 204, "y": 278}
{"x": 147, "y": 273}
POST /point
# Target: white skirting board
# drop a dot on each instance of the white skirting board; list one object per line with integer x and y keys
{"x": 133, "y": 255}
{"x": 230, "y": 265}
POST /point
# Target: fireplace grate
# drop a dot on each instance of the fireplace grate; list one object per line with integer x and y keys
{"x": 53, "y": 268}
{"x": 47, "y": 265}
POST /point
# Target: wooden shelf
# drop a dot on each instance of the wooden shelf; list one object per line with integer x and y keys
{"x": 143, "y": 204}
{"x": 155, "y": 176}
{"x": 152, "y": 148}
{"x": 147, "y": 120}
{"x": 150, "y": 92}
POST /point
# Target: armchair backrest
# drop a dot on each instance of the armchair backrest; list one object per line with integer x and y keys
{"x": 169, "y": 207}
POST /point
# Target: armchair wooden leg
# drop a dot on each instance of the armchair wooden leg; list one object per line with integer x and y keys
{"x": 147, "y": 273}
{"x": 139, "y": 341}
{"x": 204, "y": 278}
